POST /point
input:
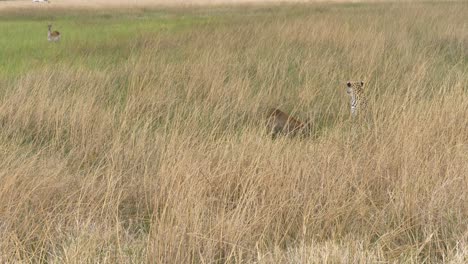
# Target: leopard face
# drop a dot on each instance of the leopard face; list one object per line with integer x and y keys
{"x": 358, "y": 100}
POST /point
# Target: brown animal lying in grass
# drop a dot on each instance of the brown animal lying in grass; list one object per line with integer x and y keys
{"x": 278, "y": 122}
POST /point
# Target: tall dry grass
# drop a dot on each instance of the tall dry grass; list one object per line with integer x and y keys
{"x": 164, "y": 158}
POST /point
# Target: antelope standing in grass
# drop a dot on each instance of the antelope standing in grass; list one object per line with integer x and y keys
{"x": 281, "y": 123}
{"x": 53, "y": 36}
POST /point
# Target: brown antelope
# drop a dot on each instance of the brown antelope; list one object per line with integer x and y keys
{"x": 281, "y": 123}
{"x": 53, "y": 36}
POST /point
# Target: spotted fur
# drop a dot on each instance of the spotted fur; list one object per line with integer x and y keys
{"x": 358, "y": 98}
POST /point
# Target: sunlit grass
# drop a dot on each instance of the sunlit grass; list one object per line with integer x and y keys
{"x": 140, "y": 137}
{"x": 90, "y": 40}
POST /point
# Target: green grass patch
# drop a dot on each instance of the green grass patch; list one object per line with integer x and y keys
{"x": 92, "y": 40}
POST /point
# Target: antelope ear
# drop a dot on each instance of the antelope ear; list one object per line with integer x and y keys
{"x": 362, "y": 83}
{"x": 348, "y": 84}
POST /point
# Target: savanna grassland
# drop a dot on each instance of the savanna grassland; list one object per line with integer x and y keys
{"x": 140, "y": 137}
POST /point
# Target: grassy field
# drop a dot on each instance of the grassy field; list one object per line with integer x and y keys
{"x": 140, "y": 136}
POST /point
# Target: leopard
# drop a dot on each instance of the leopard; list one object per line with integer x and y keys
{"x": 355, "y": 89}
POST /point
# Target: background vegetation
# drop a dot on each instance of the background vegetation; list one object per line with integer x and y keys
{"x": 140, "y": 136}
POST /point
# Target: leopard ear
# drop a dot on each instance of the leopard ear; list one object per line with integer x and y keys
{"x": 348, "y": 84}
{"x": 362, "y": 83}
